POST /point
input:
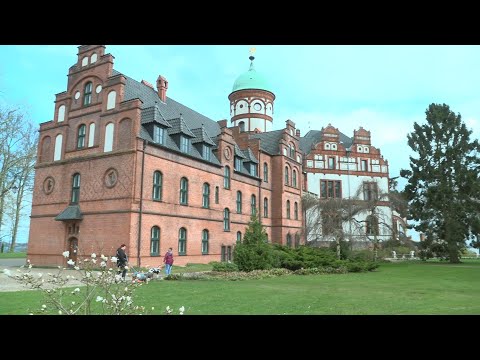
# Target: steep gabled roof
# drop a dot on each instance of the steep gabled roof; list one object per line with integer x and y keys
{"x": 201, "y": 136}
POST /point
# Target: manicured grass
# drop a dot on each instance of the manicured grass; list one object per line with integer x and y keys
{"x": 14, "y": 255}
{"x": 395, "y": 288}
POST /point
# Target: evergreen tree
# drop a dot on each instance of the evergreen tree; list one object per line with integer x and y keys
{"x": 443, "y": 187}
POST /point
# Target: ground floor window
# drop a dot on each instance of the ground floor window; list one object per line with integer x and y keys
{"x": 226, "y": 253}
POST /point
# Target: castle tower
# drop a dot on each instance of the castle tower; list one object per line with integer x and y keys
{"x": 251, "y": 101}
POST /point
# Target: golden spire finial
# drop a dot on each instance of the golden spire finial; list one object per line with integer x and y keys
{"x": 252, "y": 51}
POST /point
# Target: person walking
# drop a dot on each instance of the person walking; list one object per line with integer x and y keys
{"x": 168, "y": 260}
{"x": 122, "y": 260}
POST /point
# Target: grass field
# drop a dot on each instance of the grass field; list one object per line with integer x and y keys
{"x": 14, "y": 255}
{"x": 395, "y": 288}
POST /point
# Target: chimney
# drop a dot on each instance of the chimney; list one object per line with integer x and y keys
{"x": 297, "y": 133}
{"x": 162, "y": 86}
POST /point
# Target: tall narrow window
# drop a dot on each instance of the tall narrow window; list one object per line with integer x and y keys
{"x": 91, "y": 134}
{"x": 239, "y": 202}
{"x": 265, "y": 208}
{"x": 182, "y": 241}
{"x": 108, "y": 145}
{"x": 372, "y": 225}
{"x": 253, "y": 169}
{"x": 111, "y": 98}
{"x": 288, "y": 209}
{"x": 297, "y": 240}
{"x": 206, "y": 196}
{"x": 226, "y": 178}
{"x": 205, "y": 242}
{"x": 87, "y": 94}
{"x": 331, "y": 163}
{"x": 241, "y": 125}
{"x": 265, "y": 172}
{"x": 75, "y": 188}
{"x": 157, "y": 186}
{"x": 158, "y": 134}
{"x": 253, "y": 204}
{"x": 61, "y": 113}
{"x": 155, "y": 241}
{"x": 81, "y": 136}
{"x": 217, "y": 194}
{"x": 295, "y": 209}
{"x": 370, "y": 191}
{"x": 206, "y": 152}
{"x": 286, "y": 175}
{"x": 292, "y": 151}
{"x": 226, "y": 219}
{"x": 238, "y": 164}
{"x": 183, "y": 191}
{"x": 294, "y": 178}
{"x": 239, "y": 237}
{"x": 57, "y": 155}
{"x": 184, "y": 144}
{"x": 289, "y": 240}
{"x": 364, "y": 165}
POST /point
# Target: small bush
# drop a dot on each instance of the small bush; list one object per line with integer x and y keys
{"x": 223, "y": 266}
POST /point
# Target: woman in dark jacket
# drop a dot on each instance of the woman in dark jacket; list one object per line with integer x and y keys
{"x": 122, "y": 260}
{"x": 168, "y": 260}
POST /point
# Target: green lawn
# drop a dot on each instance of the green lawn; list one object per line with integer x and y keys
{"x": 14, "y": 255}
{"x": 395, "y": 288}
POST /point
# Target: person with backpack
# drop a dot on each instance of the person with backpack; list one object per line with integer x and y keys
{"x": 122, "y": 260}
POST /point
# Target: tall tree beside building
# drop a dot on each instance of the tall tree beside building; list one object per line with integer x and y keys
{"x": 443, "y": 186}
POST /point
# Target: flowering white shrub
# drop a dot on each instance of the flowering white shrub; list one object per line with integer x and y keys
{"x": 103, "y": 291}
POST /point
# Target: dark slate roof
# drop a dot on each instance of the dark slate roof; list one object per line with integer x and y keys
{"x": 152, "y": 114}
{"x": 249, "y": 156}
{"x": 239, "y": 152}
{"x": 201, "y": 136}
{"x": 314, "y": 136}
{"x": 269, "y": 141}
{"x": 179, "y": 127}
{"x": 72, "y": 212}
{"x": 169, "y": 109}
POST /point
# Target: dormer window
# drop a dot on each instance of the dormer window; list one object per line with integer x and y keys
{"x": 238, "y": 164}
{"x": 206, "y": 153}
{"x": 158, "y": 134}
{"x": 253, "y": 169}
{"x": 184, "y": 144}
{"x": 87, "y": 94}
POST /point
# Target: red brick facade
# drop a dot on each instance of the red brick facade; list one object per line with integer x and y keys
{"x": 116, "y": 187}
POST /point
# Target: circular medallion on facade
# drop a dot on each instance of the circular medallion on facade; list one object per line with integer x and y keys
{"x": 257, "y": 107}
{"x": 98, "y": 89}
{"x": 48, "y": 185}
{"x": 77, "y": 95}
{"x": 110, "y": 178}
{"x": 227, "y": 153}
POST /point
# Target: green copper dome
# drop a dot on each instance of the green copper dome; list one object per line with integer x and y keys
{"x": 251, "y": 80}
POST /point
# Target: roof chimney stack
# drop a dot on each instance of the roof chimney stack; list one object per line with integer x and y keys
{"x": 297, "y": 132}
{"x": 162, "y": 86}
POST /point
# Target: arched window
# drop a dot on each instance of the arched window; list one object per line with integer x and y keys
{"x": 87, "y": 94}
{"x": 75, "y": 188}
{"x": 292, "y": 151}
{"x": 288, "y": 209}
{"x": 157, "y": 186}
{"x": 206, "y": 196}
{"x": 253, "y": 204}
{"x": 226, "y": 178}
{"x": 239, "y": 237}
{"x": 294, "y": 178}
{"x": 372, "y": 225}
{"x": 182, "y": 241}
{"x": 205, "y": 242}
{"x": 112, "y": 96}
{"x": 289, "y": 240}
{"x": 183, "y": 191}
{"x": 155, "y": 241}
{"x": 93, "y": 58}
{"x": 295, "y": 210}
{"x": 239, "y": 202}
{"x": 297, "y": 240}
{"x": 61, "y": 113}
{"x": 265, "y": 172}
{"x": 57, "y": 155}
{"x": 226, "y": 219}
{"x": 81, "y": 136}
{"x": 286, "y": 175}
{"x": 91, "y": 134}
{"x": 108, "y": 146}
{"x": 265, "y": 208}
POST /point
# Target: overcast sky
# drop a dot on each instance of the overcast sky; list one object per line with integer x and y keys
{"x": 385, "y": 89}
